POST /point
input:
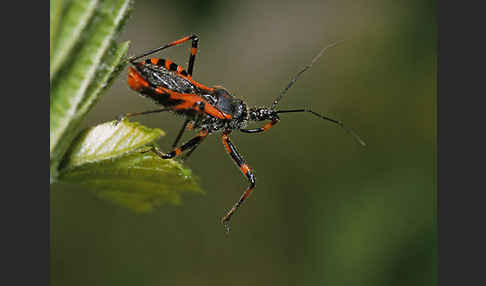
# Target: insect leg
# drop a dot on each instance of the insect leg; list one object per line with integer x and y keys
{"x": 193, "y": 37}
{"x": 230, "y": 148}
{"x": 177, "y": 151}
{"x": 126, "y": 115}
{"x": 180, "y": 133}
{"x": 192, "y": 57}
{"x": 186, "y": 156}
{"x": 261, "y": 129}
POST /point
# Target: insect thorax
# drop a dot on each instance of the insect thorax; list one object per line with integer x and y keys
{"x": 223, "y": 101}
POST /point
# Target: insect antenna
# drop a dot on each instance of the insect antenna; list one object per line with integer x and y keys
{"x": 294, "y": 78}
{"x": 360, "y": 141}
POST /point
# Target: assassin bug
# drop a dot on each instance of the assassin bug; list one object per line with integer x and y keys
{"x": 208, "y": 109}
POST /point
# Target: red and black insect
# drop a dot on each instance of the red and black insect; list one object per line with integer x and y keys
{"x": 208, "y": 109}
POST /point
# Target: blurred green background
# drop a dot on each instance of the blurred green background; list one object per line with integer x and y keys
{"x": 325, "y": 211}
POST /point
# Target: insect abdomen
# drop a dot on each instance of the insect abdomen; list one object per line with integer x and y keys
{"x": 139, "y": 84}
{"x": 167, "y": 64}
{"x": 164, "y": 73}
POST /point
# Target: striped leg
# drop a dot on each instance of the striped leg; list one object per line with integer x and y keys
{"x": 245, "y": 170}
{"x": 177, "y": 151}
{"x": 261, "y": 129}
{"x": 186, "y": 156}
{"x": 192, "y": 56}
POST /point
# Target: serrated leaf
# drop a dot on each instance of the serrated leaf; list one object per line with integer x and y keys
{"x": 138, "y": 181}
{"x": 75, "y": 19}
{"x": 108, "y": 141}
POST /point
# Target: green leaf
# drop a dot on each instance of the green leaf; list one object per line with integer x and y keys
{"x": 105, "y": 75}
{"x": 68, "y": 91}
{"x": 55, "y": 14}
{"x": 91, "y": 69}
{"x": 108, "y": 159}
{"x": 75, "y": 19}
{"x": 111, "y": 66}
{"x": 108, "y": 141}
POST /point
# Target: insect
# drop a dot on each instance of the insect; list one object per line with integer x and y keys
{"x": 206, "y": 109}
